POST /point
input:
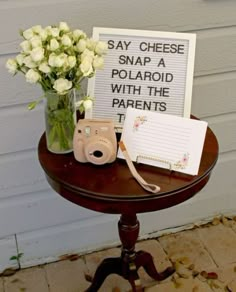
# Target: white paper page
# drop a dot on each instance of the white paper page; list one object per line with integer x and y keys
{"x": 164, "y": 140}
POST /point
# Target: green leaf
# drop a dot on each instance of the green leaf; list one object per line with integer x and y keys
{"x": 13, "y": 258}
{"x": 16, "y": 257}
{"x": 81, "y": 108}
{"x": 32, "y": 105}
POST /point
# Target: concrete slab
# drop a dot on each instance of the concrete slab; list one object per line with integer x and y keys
{"x": 66, "y": 276}
{"x": 220, "y": 241}
{"x": 1, "y": 285}
{"x": 199, "y": 286}
{"x": 33, "y": 279}
{"x": 186, "y": 247}
{"x": 181, "y": 285}
{"x": 233, "y": 225}
{"x": 232, "y": 286}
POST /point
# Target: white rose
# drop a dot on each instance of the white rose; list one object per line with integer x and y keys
{"x": 81, "y": 45}
{"x": 37, "y": 29}
{"x": 43, "y": 34}
{"x": 28, "y": 33}
{"x": 43, "y": 67}
{"x": 48, "y": 29}
{"x": 32, "y": 76}
{"x": 55, "y": 32}
{"x": 54, "y": 45}
{"x": 26, "y": 47}
{"x": 101, "y": 48}
{"x": 98, "y": 62}
{"x": 57, "y": 60}
{"x": 64, "y": 26}
{"x": 88, "y": 103}
{"x": 29, "y": 62}
{"x": 66, "y": 41}
{"x": 51, "y": 60}
{"x": 78, "y": 33}
{"x": 37, "y": 54}
{"x": 91, "y": 44}
{"x": 11, "y": 66}
{"x": 60, "y": 60}
{"x": 87, "y": 54}
{"x": 20, "y": 59}
{"x": 71, "y": 61}
{"x": 62, "y": 85}
{"x": 36, "y": 42}
{"x": 86, "y": 67}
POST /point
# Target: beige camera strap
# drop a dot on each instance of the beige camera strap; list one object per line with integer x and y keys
{"x": 148, "y": 187}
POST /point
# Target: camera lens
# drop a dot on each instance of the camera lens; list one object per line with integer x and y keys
{"x": 97, "y": 154}
{"x": 98, "y": 150}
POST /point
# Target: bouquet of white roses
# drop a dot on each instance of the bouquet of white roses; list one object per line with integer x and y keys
{"x": 58, "y": 59}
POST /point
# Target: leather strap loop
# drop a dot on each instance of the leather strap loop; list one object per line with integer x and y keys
{"x": 148, "y": 187}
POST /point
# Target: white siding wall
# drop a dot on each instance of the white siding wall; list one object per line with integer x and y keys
{"x": 33, "y": 218}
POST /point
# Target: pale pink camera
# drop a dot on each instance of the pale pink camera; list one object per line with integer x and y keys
{"x": 95, "y": 141}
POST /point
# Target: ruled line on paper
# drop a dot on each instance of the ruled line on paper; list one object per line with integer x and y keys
{"x": 164, "y": 140}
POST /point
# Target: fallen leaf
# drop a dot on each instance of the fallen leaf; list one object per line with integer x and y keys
{"x": 226, "y": 222}
{"x": 70, "y": 257}
{"x": 204, "y": 274}
{"x": 88, "y": 277}
{"x": 215, "y": 221}
{"x": 212, "y": 275}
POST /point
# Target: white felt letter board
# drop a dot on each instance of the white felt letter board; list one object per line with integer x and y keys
{"x": 146, "y": 70}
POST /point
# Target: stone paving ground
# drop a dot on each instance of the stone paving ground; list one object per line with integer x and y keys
{"x": 204, "y": 259}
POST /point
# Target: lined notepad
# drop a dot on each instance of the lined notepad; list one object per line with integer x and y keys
{"x": 163, "y": 140}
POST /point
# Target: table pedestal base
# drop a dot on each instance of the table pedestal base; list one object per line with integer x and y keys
{"x": 130, "y": 261}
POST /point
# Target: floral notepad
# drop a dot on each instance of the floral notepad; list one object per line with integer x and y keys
{"x": 163, "y": 140}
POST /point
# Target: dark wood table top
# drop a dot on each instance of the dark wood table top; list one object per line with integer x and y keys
{"x": 112, "y": 189}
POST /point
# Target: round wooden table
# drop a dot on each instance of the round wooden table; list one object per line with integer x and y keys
{"x": 112, "y": 189}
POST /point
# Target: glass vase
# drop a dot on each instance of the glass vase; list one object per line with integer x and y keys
{"x": 60, "y": 120}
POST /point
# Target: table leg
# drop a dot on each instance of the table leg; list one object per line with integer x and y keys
{"x": 130, "y": 261}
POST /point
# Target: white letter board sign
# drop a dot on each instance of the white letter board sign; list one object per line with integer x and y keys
{"x": 147, "y": 70}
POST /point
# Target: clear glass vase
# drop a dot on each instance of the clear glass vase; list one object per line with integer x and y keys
{"x": 60, "y": 120}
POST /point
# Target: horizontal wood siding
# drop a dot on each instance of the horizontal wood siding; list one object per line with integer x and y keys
{"x": 48, "y": 244}
{"x": 7, "y": 250}
{"x": 34, "y": 214}
{"x": 214, "y": 95}
{"x": 14, "y": 89}
{"x": 168, "y": 15}
{"x": 38, "y": 210}
{"x": 24, "y": 129}
{"x": 215, "y": 51}
{"x": 29, "y": 178}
